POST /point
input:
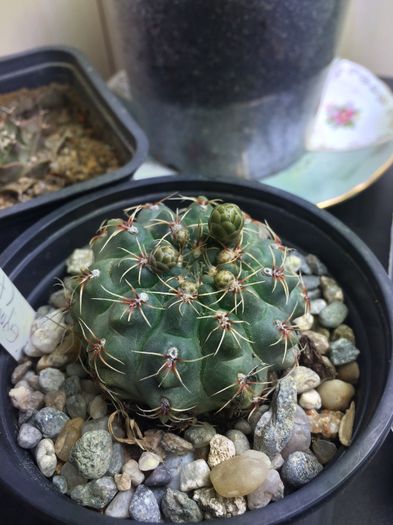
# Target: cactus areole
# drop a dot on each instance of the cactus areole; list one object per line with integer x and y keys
{"x": 187, "y": 312}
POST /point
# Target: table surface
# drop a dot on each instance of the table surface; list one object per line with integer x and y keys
{"x": 368, "y": 499}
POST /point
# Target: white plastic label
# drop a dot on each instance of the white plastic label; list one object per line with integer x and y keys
{"x": 16, "y": 317}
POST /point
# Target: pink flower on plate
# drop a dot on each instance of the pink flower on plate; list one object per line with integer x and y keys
{"x": 341, "y": 116}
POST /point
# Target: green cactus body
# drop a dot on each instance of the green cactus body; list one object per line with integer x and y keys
{"x": 184, "y": 313}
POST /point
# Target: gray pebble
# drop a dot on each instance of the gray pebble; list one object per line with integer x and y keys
{"x": 301, "y": 434}
{"x": 343, "y": 351}
{"x": 75, "y": 369}
{"x": 60, "y": 483}
{"x": 333, "y": 315}
{"x": 195, "y": 475}
{"x": 119, "y": 506}
{"x": 239, "y": 440}
{"x": 179, "y": 508}
{"x": 316, "y": 265}
{"x": 244, "y": 426}
{"x": 27, "y": 417}
{"x": 89, "y": 386}
{"x": 304, "y": 267}
{"x": 50, "y": 421}
{"x": 159, "y": 493}
{"x": 271, "y": 489}
{"x": 331, "y": 290}
{"x": 72, "y": 386}
{"x": 256, "y": 415}
{"x": 200, "y": 435}
{"x": 28, "y": 436}
{"x": 317, "y": 305}
{"x": 76, "y": 406}
{"x": 117, "y": 459}
{"x": 300, "y": 468}
{"x": 144, "y": 506}
{"x": 324, "y": 450}
{"x": 95, "y": 494}
{"x": 91, "y": 454}
{"x": 160, "y": 477}
{"x": 174, "y": 464}
{"x": 274, "y": 429}
{"x": 72, "y": 476}
{"x": 95, "y": 424}
{"x": 314, "y": 294}
{"x": 311, "y": 282}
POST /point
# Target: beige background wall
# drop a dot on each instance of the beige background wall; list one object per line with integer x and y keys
{"x": 367, "y": 37}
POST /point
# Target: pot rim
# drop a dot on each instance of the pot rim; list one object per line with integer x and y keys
{"x": 330, "y": 480}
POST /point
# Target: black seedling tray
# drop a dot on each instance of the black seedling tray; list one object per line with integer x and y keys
{"x": 65, "y": 65}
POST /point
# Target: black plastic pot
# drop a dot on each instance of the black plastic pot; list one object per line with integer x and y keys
{"x": 37, "y": 257}
{"x": 65, "y": 65}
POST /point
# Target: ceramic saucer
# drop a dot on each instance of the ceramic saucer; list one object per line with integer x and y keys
{"x": 349, "y": 147}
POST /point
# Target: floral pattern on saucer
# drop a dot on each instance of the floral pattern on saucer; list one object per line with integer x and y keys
{"x": 356, "y": 110}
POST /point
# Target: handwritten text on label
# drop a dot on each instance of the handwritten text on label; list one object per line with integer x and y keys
{"x": 16, "y": 317}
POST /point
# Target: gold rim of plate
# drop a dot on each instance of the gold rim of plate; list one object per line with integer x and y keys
{"x": 358, "y": 188}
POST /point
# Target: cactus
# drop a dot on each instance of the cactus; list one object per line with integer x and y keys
{"x": 186, "y": 312}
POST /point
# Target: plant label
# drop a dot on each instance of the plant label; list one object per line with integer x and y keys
{"x": 16, "y": 317}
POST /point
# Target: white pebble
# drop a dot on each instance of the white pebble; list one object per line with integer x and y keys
{"x": 24, "y": 398}
{"x": 79, "y": 259}
{"x": 305, "y": 379}
{"x": 46, "y": 457}
{"x": 195, "y": 475}
{"x": 132, "y": 469}
{"x": 47, "y": 332}
{"x": 305, "y": 322}
{"x": 310, "y": 399}
{"x": 221, "y": 448}
{"x": 148, "y": 461}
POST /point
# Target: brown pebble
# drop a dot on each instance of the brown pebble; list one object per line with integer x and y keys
{"x": 20, "y": 371}
{"x": 152, "y": 441}
{"x": 344, "y": 331}
{"x": 67, "y": 438}
{"x": 349, "y": 372}
{"x": 55, "y": 399}
{"x": 175, "y": 444}
{"x": 123, "y": 481}
{"x": 326, "y": 422}
{"x": 238, "y": 476}
{"x": 336, "y": 394}
{"x": 346, "y": 426}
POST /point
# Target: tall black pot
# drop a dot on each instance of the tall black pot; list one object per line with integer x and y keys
{"x": 227, "y": 87}
{"x": 37, "y": 257}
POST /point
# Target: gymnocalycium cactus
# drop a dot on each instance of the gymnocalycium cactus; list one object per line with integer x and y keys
{"x": 185, "y": 312}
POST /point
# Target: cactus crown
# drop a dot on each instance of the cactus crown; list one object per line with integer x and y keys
{"x": 186, "y": 312}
